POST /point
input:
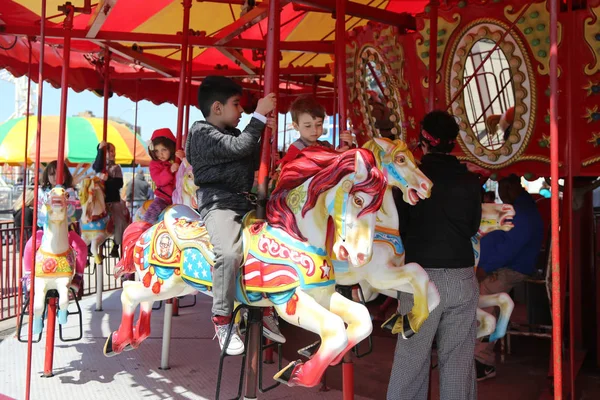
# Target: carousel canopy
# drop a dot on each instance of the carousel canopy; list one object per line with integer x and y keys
{"x": 145, "y": 41}
{"x": 83, "y": 136}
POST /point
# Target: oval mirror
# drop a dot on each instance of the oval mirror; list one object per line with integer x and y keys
{"x": 378, "y": 97}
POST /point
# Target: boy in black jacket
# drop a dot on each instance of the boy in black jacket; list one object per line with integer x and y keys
{"x": 224, "y": 161}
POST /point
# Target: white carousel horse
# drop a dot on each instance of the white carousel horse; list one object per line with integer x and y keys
{"x": 286, "y": 263}
{"x": 387, "y": 274}
{"x": 61, "y": 254}
{"x": 185, "y": 191}
{"x": 493, "y": 217}
{"x": 96, "y": 223}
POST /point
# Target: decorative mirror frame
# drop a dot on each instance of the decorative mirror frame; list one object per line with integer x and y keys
{"x": 523, "y": 88}
{"x": 365, "y": 55}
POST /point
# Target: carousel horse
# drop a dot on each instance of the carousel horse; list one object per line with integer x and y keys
{"x": 96, "y": 223}
{"x": 493, "y": 217}
{"x": 386, "y": 273}
{"x": 60, "y": 259}
{"x": 285, "y": 261}
{"x": 185, "y": 191}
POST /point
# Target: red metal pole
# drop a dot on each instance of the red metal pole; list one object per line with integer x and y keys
{"x": 512, "y": 25}
{"x": 340, "y": 63}
{"x": 22, "y": 237}
{"x": 554, "y": 174}
{"x": 50, "y": 330}
{"x": 60, "y": 160}
{"x": 271, "y": 86}
{"x": 181, "y": 100}
{"x": 106, "y": 94}
{"x": 135, "y": 127}
{"x": 433, "y": 32}
{"x": 35, "y": 190}
{"x": 569, "y": 201}
{"x": 188, "y": 87}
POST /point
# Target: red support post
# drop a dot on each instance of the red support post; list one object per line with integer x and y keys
{"x": 106, "y": 95}
{"x": 181, "y": 100}
{"x": 340, "y": 63}
{"x": 271, "y": 86}
{"x": 554, "y": 174}
{"x": 433, "y": 33}
{"x": 38, "y": 144}
{"x": 188, "y": 87}
{"x": 50, "y": 330}
{"x": 60, "y": 160}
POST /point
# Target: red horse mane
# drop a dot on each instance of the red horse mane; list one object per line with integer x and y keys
{"x": 327, "y": 167}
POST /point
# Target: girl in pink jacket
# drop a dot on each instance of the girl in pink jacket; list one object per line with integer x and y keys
{"x": 165, "y": 163}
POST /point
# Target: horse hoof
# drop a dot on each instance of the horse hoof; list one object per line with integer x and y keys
{"x": 108, "y": 347}
{"x": 129, "y": 347}
{"x": 286, "y": 374}
{"x": 310, "y": 350}
{"x": 399, "y": 324}
{"x": 407, "y": 331}
{"x": 62, "y": 316}
{"x": 38, "y": 325}
{"x": 390, "y": 323}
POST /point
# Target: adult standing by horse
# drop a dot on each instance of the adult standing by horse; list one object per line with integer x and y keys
{"x": 137, "y": 192}
{"x": 113, "y": 184}
{"x": 437, "y": 235}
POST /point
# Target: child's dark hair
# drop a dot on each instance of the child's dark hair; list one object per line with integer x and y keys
{"x": 168, "y": 143}
{"x": 216, "y": 88}
{"x": 51, "y": 169}
{"x": 439, "y": 129}
{"x": 306, "y": 105}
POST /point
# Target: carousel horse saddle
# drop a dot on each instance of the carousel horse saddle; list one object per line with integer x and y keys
{"x": 187, "y": 229}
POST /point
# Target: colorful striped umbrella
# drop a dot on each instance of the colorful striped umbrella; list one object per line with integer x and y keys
{"x": 83, "y": 136}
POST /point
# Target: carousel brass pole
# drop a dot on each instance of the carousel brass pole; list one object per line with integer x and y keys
{"x": 554, "y": 174}
{"x": 36, "y": 185}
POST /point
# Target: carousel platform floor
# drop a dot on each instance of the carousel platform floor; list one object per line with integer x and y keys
{"x": 82, "y": 371}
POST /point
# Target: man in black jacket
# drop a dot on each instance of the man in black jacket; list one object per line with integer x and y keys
{"x": 437, "y": 235}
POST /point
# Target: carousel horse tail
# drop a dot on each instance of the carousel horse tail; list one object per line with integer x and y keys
{"x": 27, "y": 253}
{"x": 130, "y": 237}
{"x": 80, "y": 248}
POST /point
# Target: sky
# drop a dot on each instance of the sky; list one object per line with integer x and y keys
{"x": 150, "y": 116}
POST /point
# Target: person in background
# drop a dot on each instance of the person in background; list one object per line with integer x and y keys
{"x": 47, "y": 183}
{"x": 137, "y": 192}
{"x": 508, "y": 258}
{"x": 112, "y": 186}
{"x": 437, "y": 235}
{"x": 506, "y": 122}
{"x": 18, "y": 210}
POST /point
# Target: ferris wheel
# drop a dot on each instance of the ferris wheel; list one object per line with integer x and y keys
{"x": 21, "y": 94}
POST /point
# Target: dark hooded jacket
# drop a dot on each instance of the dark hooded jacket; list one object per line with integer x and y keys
{"x": 437, "y": 232}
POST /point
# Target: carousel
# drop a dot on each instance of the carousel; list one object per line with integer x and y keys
{"x": 526, "y": 100}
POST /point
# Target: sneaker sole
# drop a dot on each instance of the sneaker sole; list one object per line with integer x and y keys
{"x": 273, "y": 336}
{"x": 488, "y": 376}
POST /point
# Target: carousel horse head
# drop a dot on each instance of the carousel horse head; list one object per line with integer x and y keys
{"x": 56, "y": 205}
{"x": 185, "y": 189}
{"x": 91, "y": 196}
{"x": 321, "y": 184}
{"x": 399, "y": 167}
{"x": 496, "y": 217}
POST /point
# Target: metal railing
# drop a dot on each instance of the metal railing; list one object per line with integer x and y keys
{"x": 10, "y": 262}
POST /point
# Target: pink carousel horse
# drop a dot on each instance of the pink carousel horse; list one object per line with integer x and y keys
{"x": 286, "y": 263}
{"x": 60, "y": 258}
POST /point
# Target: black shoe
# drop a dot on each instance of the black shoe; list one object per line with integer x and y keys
{"x": 484, "y": 371}
{"x": 115, "y": 251}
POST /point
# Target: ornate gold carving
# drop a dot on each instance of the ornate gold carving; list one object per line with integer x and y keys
{"x": 534, "y": 25}
{"x": 523, "y": 85}
{"x": 591, "y": 32}
{"x": 590, "y": 161}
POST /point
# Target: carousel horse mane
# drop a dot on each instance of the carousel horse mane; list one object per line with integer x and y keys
{"x": 83, "y": 192}
{"x": 327, "y": 168}
{"x": 398, "y": 146}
